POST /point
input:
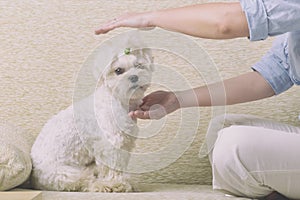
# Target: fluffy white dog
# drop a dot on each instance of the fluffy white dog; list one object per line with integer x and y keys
{"x": 83, "y": 150}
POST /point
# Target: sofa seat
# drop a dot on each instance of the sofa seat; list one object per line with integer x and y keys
{"x": 150, "y": 191}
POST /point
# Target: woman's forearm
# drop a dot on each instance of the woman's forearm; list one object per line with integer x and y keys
{"x": 211, "y": 20}
{"x": 244, "y": 88}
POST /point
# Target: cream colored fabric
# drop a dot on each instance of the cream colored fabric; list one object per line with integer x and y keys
{"x": 15, "y": 162}
{"x": 235, "y": 141}
{"x": 276, "y": 166}
{"x": 45, "y": 43}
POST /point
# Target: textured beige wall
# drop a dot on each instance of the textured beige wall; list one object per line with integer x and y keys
{"x": 43, "y": 45}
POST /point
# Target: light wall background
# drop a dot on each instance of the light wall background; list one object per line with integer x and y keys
{"x": 43, "y": 45}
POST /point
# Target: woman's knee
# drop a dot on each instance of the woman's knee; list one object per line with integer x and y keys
{"x": 232, "y": 138}
{"x": 233, "y": 149}
{"x": 241, "y": 141}
{"x": 229, "y": 140}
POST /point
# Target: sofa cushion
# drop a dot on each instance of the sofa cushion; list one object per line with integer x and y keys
{"x": 15, "y": 162}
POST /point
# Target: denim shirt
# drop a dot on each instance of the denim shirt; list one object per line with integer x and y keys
{"x": 281, "y": 65}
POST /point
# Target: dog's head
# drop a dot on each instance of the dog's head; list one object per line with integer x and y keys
{"x": 129, "y": 74}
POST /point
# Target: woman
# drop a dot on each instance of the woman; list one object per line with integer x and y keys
{"x": 250, "y": 159}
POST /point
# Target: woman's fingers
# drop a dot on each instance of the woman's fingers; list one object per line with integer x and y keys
{"x": 155, "y": 112}
{"x": 139, "y": 114}
{"x": 133, "y": 20}
{"x": 123, "y": 20}
{"x": 115, "y": 23}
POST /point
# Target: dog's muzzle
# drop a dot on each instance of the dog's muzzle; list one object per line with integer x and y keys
{"x": 133, "y": 78}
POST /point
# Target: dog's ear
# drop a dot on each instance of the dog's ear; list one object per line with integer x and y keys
{"x": 100, "y": 73}
{"x": 147, "y": 55}
{"x": 103, "y": 58}
{"x": 106, "y": 71}
{"x": 101, "y": 78}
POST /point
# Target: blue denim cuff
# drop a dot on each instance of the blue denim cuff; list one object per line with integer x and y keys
{"x": 294, "y": 55}
{"x": 270, "y": 67}
{"x": 257, "y": 19}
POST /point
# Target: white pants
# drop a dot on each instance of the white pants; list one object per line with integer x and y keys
{"x": 253, "y": 157}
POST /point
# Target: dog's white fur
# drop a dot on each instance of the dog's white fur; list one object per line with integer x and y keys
{"x": 70, "y": 152}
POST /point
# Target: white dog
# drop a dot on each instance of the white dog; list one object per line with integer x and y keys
{"x": 80, "y": 150}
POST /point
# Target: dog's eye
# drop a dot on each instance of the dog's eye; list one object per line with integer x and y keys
{"x": 139, "y": 66}
{"x": 119, "y": 71}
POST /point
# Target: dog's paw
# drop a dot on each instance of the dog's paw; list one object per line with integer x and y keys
{"x": 122, "y": 187}
{"x": 100, "y": 186}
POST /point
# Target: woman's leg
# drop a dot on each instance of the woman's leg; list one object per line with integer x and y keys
{"x": 223, "y": 121}
{"x": 254, "y": 161}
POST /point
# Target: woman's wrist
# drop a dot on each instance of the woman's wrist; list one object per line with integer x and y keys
{"x": 186, "y": 98}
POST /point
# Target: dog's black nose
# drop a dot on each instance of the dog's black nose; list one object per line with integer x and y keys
{"x": 133, "y": 78}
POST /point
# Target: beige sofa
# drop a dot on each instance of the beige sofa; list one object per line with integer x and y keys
{"x": 44, "y": 44}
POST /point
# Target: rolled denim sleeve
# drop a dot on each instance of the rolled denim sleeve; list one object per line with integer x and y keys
{"x": 268, "y": 17}
{"x": 274, "y": 66}
{"x": 294, "y": 55}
